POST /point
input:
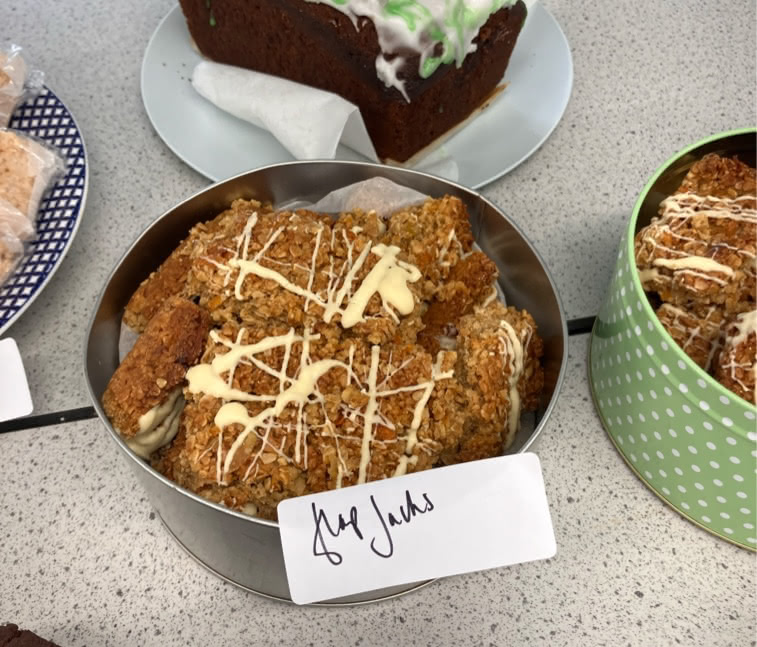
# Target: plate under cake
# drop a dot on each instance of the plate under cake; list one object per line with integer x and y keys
{"x": 537, "y": 84}
{"x": 414, "y": 69}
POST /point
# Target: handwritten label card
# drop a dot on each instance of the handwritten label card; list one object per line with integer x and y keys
{"x": 15, "y": 398}
{"x": 444, "y": 521}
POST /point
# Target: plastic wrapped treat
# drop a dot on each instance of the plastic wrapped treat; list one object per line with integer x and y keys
{"x": 17, "y": 82}
{"x": 11, "y": 252}
{"x": 27, "y": 168}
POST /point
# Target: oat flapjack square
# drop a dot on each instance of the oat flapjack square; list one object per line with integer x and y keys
{"x": 342, "y": 349}
{"x": 698, "y": 258}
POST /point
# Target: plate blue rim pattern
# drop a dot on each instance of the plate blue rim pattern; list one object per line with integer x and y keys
{"x": 46, "y": 118}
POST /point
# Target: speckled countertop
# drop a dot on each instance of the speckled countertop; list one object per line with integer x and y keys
{"x": 86, "y": 561}
{"x": 83, "y": 559}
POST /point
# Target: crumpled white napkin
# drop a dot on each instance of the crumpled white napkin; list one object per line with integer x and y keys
{"x": 308, "y": 122}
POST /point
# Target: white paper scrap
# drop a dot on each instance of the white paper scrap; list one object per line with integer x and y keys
{"x": 377, "y": 194}
{"x": 15, "y": 398}
{"x": 444, "y": 521}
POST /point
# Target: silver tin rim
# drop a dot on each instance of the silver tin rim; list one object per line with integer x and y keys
{"x": 379, "y": 169}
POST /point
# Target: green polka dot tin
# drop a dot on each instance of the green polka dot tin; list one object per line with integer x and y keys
{"x": 687, "y": 437}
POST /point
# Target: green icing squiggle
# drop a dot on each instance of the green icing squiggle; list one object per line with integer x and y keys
{"x": 424, "y": 26}
{"x": 410, "y": 11}
{"x": 459, "y": 24}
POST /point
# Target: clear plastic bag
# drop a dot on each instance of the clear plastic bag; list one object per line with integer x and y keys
{"x": 17, "y": 82}
{"x": 11, "y": 252}
{"x": 15, "y": 222}
{"x": 28, "y": 168}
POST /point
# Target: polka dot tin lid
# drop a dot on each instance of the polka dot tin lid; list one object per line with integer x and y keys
{"x": 688, "y": 438}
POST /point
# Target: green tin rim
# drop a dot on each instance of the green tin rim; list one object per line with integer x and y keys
{"x": 647, "y": 308}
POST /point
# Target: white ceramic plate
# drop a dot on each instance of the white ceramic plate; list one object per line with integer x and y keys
{"x": 47, "y": 118}
{"x": 539, "y": 78}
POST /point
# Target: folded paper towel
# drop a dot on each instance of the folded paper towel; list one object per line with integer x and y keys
{"x": 310, "y": 123}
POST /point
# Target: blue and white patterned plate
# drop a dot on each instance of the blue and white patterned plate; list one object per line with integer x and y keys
{"x": 46, "y": 118}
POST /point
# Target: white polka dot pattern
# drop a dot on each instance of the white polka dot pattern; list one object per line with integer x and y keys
{"x": 693, "y": 443}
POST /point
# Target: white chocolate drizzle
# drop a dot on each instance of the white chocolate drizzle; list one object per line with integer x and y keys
{"x": 369, "y": 416}
{"x": 158, "y": 426}
{"x": 513, "y": 353}
{"x": 490, "y": 298}
{"x": 675, "y": 212}
{"x": 699, "y": 263}
{"x": 444, "y": 252}
{"x": 389, "y": 277}
{"x": 311, "y": 274}
{"x": 646, "y": 276}
{"x": 301, "y": 390}
{"x": 687, "y": 205}
{"x": 741, "y": 328}
{"x": 412, "y": 438}
{"x": 745, "y": 324}
{"x": 689, "y": 335}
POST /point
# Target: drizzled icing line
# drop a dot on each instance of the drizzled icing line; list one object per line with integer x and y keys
{"x": 412, "y": 438}
{"x": 745, "y": 325}
{"x": 685, "y": 205}
{"x": 677, "y": 210}
{"x": 699, "y": 264}
{"x": 697, "y": 332}
{"x": 158, "y": 426}
{"x": 302, "y": 389}
{"x": 444, "y": 252}
{"x": 741, "y": 328}
{"x": 513, "y": 353}
{"x": 388, "y": 278}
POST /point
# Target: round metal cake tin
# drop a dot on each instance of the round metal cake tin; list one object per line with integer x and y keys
{"x": 241, "y": 549}
{"x": 692, "y": 441}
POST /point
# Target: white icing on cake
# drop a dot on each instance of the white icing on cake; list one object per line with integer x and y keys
{"x": 440, "y": 31}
